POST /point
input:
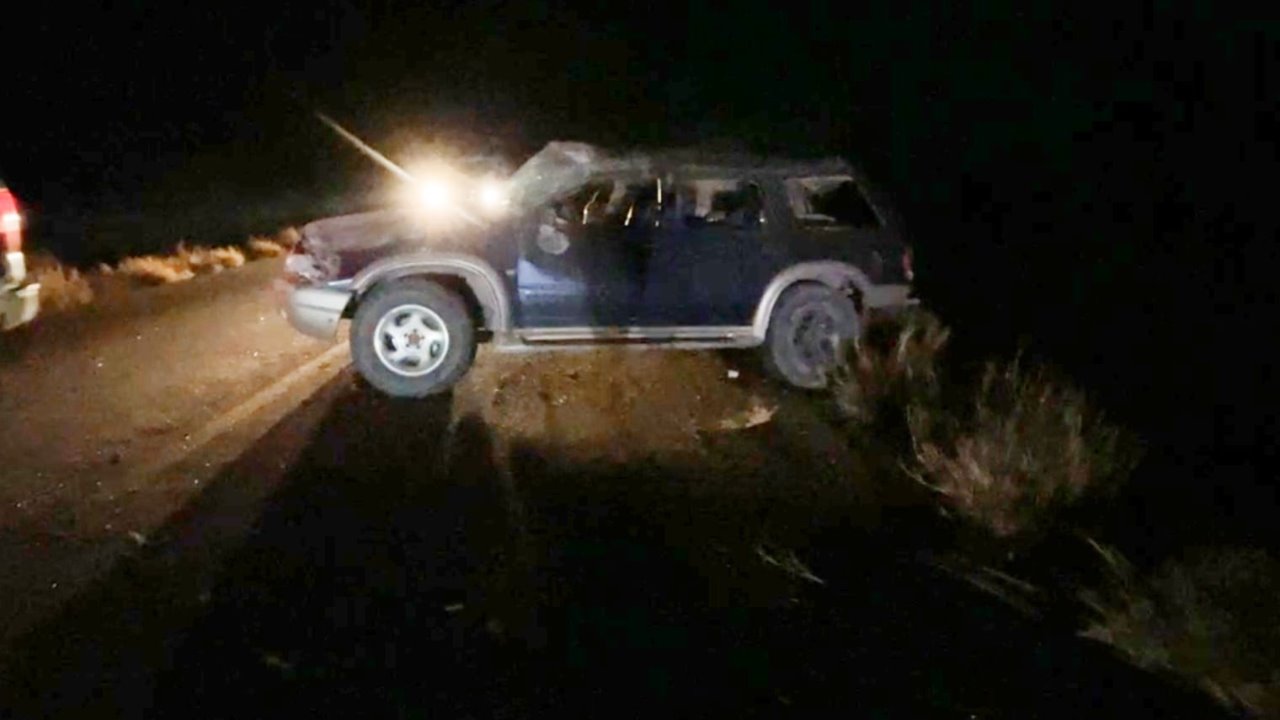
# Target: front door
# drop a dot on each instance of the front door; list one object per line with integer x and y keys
{"x": 583, "y": 264}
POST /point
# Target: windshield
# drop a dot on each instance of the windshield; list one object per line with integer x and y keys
{"x": 562, "y": 166}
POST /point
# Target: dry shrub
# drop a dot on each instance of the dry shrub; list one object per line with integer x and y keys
{"x": 262, "y": 247}
{"x": 1025, "y": 448}
{"x": 227, "y": 256}
{"x": 288, "y": 237}
{"x": 1212, "y": 617}
{"x": 61, "y": 288}
{"x": 200, "y": 260}
{"x": 895, "y": 367}
{"x": 155, "y": 270}
{"x": 185, "y": 263}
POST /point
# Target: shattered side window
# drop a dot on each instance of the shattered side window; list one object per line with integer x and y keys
{"x": 830, "y": 202}
{"x": 611, "y": 203}
{"x": 584, "y": 206}
{"x": 641, "y": 203}
{"x": 735, "y": 203}
{"x": 556, "y": 168}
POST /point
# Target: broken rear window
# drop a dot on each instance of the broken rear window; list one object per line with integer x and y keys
{"x": 719, "y": 202}
{"x": 830, "y": 202}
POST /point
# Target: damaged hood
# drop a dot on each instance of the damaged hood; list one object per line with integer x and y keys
{"x": 338, "y": 247}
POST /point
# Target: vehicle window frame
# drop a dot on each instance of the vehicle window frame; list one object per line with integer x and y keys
{"x": 620, "y": 186}
{"x": 728, "y": 182}
{"x": 798, "y": 196}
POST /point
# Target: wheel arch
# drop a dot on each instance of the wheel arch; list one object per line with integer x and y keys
{"x": 485, "y": 290}
{"x": 839, "y": 276}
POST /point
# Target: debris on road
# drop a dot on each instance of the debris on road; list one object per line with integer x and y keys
{"x": 787, "y": 562}
{"x": 138, "y": 537}
{"x": 275, "y": 661}
{"x": 733, "y": 374}
{"x": 757, "y": 414}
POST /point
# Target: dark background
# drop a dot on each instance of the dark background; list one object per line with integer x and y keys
{"x": 1089, "y": 183}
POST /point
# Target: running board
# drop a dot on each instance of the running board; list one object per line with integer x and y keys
{"x": 677, "y": 337}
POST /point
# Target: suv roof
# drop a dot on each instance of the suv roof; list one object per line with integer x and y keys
{"x": 561, "y": 165}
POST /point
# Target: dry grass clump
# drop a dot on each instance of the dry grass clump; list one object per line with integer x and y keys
{"x": 1005, "y": 456}
{"x": 895, "y": 367}
{"x": 155, "y": 269}
{"x": 1212, "y": 617}
{"x": 202, "y": 260}
{"x": 61, "y": 288}
{"x": 1025, "y": 448}
{"x": 288, "y": 237}
{"x": 263, "y": 247}
{"x": 185, "y": 263}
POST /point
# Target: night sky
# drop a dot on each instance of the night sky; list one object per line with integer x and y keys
{"x": 1088, "y": 181}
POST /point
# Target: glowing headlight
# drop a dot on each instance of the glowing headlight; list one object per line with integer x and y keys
{"x": 493, "y": 197}
{"x": 10, "y": 222}
{"x": 435, "y": 194}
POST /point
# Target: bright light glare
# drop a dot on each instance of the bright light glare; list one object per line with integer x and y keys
{"x": 492, "y": 196}
{"x": 435, "y": 195}
{"x": 11, "y": 222}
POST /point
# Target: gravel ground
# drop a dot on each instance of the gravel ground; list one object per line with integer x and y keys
{"x": 615, "y": 532}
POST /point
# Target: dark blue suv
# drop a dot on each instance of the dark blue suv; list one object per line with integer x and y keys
{"x": 582, "y": 248}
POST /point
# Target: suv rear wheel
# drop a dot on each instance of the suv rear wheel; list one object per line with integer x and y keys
{"x": 412, "y": 338}
{"x": 806, "y": 330}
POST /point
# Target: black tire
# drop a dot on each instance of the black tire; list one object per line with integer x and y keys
{"x": 435, "y": 374}
{"x": 800, "y": 352}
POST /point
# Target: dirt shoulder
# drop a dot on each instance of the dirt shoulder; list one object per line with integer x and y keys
{"x": 585, "y": 532}
{"x": 89, "y": 397}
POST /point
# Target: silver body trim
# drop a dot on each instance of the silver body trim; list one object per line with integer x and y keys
{"x": 316, "y": 310}
{"x": 828, "y": 272}
{"x": 675, "y": 337}
{"x": 479, "y": 275}
{"x": 724, "y": 333}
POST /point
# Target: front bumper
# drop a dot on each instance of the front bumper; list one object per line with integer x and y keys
{"x": 19, "y": 306}
{"x": 314, "y": 310}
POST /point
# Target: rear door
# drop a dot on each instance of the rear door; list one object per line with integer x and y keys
{"x": 698, "y": 273}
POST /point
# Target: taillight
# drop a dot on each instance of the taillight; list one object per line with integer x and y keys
{"x": 10, "y": 221}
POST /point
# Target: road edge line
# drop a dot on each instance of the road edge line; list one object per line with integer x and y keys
{"x": 325, "y": 365}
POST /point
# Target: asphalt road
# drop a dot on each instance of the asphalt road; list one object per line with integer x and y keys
{"x": 209, "y": 516}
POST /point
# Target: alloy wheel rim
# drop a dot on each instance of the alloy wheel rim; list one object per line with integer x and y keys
{"x": 814, "y": 337}
{"x": 411, "y": 340}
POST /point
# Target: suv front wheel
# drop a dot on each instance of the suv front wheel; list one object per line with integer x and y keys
{"x": 808, "y": 326}
{"x": 412, "y": 338}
